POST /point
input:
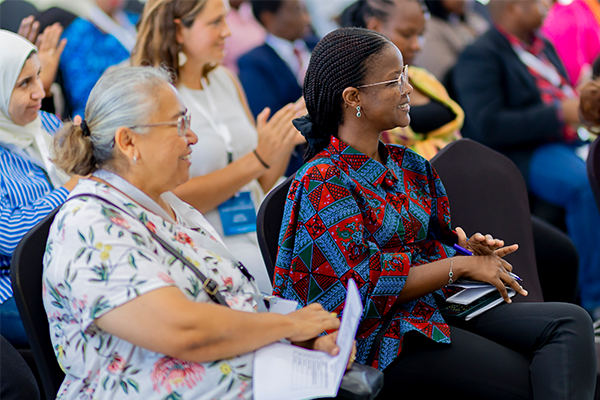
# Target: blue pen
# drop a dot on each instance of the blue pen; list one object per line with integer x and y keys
{"x": 465, "y": 252}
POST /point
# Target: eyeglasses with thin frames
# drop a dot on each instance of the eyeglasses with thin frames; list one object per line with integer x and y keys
{"x": 402, "y": 81}
{"x": 182, "y": 123}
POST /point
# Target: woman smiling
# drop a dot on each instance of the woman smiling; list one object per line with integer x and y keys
{"x": 30, "y": 185}
{"x": 131, "y": 295}
{"x": 379, "y": 214}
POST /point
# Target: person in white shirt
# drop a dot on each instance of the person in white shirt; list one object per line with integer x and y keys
{"x": 237, "y": 160}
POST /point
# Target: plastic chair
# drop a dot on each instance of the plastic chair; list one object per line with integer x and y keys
{"x": 593, "y": 169}
{"x": 487, "y": 194}
{"x": 26, "y": 275}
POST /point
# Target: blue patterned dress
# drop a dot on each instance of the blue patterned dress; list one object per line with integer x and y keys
{"x": 89, "y": 52}
{"x": 349, "y": 216}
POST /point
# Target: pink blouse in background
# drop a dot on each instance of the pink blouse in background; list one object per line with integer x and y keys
{"x": 574, "y": 29}
{"x": 246, "y": 34}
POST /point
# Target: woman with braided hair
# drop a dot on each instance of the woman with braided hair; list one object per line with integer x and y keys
{"x": 379, "y": 214}
{"x": 436, "y": 119}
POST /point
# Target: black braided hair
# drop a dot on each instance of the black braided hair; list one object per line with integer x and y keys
{"x": 339, "y": 60}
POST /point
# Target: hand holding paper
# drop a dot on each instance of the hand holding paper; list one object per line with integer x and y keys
{"x": 286, "y": 372}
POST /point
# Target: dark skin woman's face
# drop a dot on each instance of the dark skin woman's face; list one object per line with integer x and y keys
{"x": 385, "y": 106}
{"x": 404, "y": 26}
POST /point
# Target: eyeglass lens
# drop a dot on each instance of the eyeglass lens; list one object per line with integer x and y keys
{"x": 183, "y": 124}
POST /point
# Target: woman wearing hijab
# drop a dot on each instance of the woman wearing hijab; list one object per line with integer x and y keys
{"x": 30, "y": 186}
{"x": 103, "y": 38}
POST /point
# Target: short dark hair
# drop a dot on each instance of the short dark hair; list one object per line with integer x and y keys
{"x": 258, "y": 6}
{"x": 339, "y": 60}
{"x": 358, "y": 13}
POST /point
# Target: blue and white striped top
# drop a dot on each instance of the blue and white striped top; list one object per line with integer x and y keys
{"x": 26, "y": 197}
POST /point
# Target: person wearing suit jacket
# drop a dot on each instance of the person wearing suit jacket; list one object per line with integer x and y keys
{"x": 517, "y": 100}
{"x": 272, "y": 74}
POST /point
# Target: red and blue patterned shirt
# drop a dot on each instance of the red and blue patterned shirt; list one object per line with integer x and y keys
{"x": 349, "y": 216}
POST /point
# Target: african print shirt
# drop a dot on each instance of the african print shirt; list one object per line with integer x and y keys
{"x": 97, "y": 258}
{"x": 349, "y": 216}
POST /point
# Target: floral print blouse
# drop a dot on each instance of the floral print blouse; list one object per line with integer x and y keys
{"x": 349, "y": 216}
{"x": 98, "y": 258}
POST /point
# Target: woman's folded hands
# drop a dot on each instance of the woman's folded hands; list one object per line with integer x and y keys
{"x": 487, "y": 263}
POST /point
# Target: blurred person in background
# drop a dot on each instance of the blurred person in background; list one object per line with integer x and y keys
{"x": 239, "y": 160}
{"x": 452, "y": 26}
{"x": 246, "y": 33}
{"x": 518, "y": 100}
{"x": 435, "y": 119}
{"x": 574, "y": 29}
{"x": 104, "y": 37}
{"x": 272, "y": 74}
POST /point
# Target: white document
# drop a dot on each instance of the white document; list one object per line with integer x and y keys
{"x": 511, "y": 293}
{"x": 286, "y": 372}
{"x": 282, "y": 306}
{"x": 470, "y": 294}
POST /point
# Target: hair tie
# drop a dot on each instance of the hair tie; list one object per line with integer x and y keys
{"x": 85, "y": 129}
{"x": 313, "y": 135}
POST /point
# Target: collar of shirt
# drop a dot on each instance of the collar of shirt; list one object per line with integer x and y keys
{"x": 285, "y": 50}
{"x": 536, "y": 47}
{"x": 348, "y": 158}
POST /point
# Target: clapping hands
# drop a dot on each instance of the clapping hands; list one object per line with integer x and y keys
{"x": 50, "y": 47}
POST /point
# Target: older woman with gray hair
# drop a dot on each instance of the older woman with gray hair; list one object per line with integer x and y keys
{"x": 133, "y": 275}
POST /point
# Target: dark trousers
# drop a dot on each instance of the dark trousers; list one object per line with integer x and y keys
{"x": 514, "y": 351}
{"x": 17, "y": 380}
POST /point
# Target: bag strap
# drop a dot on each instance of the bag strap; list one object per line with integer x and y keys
{"x": 209, "y": 285}
{"x": 384, "y": 327}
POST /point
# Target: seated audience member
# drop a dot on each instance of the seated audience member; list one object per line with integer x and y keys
{"x": 435, "y": 119}
{"x": 49, "y": 52}
{"x": 379, "y": 214}
{"x": 246, "y": 33}
{"x": 238, "y": 161}
{"x": 151, "y": 329}
{"x": 517, "y": 100}
{"x": 574, "y": 29}
{"x": 30, "y": 185}
{"x": 450, "y": 29}
{"x": 17, "y": 381}
{"x": 272, "y": 74}
{"x": 103, "y": 38}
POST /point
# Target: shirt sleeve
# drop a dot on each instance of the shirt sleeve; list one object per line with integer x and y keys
{"x": 15, "y": 222}
{"x": 325, "y": 243}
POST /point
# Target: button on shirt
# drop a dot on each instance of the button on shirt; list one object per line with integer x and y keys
{"x": 349, "y": 216}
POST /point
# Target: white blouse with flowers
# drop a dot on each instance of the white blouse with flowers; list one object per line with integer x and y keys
{"x": 97, "y": 258}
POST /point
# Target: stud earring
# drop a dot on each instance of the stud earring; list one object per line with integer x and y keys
{"x": 134, "y": 159}
{"x": 358, "y": 114}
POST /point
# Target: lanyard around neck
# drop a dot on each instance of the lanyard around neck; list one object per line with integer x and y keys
{"x": 548, "y": 72}
{"x": 219, "y": 128}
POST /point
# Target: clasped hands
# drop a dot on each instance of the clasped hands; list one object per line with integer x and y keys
{"x": 488, "y": 264}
